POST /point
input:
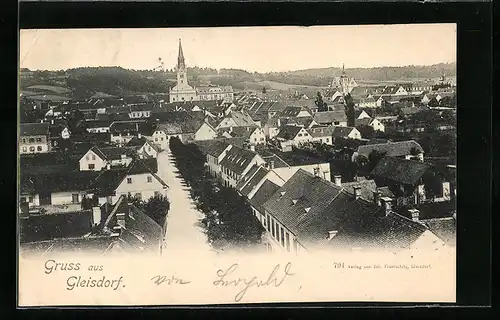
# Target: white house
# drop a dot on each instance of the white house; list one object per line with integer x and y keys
{"x": 321, "y": 134}
{"x": 254, "y": 135}
{"x": 294, "y": 135}
{"x": 137, "y": 181}
{"x": 371, "y": 122}
{"x": 97, "y": 159}
{"x": 215, "y": 153}
{"x": 346, "y": 132}
{"x": 205, "y": 132}
{"x": 143, "y": 147}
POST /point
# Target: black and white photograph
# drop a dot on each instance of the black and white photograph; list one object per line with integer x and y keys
{"x": 231, "y": 159}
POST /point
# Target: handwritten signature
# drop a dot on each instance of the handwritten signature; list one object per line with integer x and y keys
{"x": 168, "y": 280}
{"x": 254, "y": 281}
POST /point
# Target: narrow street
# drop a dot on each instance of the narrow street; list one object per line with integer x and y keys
{"x": 183, "y": 231}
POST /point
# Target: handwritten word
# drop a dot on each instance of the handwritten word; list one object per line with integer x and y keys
{"x": 52, "y": 265}
{"x": 172, "y": 280}
{"x": 79, "y": 282}
{"x": 272, "y": 279}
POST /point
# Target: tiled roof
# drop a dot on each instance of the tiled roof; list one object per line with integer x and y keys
{"x": 242, "y": 118}
{"x": 400, "y": 170}
{"x": 318, "y": 132}
{"x": 391, "y": 149}
{"x": 115, "y": 153}
{"x": 443, "y": 228}
{"x": 98, "y": 123}
{"x": 367, "y": 188}
{"x": 53, "y": 226}
{"x": 288, "y": 132}
{"x": 291, "y": 111}
{"x": 364, "y": 122}
{"x": 243, "y": 181}
{"x": 328, "y": 117}
{"x": 341, "y": 132}
{"x": 136, "y": 126}
{"x": 237, "y": 159}
{"x": 57, "y": 181}
{"x": 33, "y": 129}
{"x": 216, "y": 148}
{"x": 245, "y": 132}
{"x": 136, "y": 142}
{"x": 301, "y": 197}
{"x": 266, "y": 190}
{"x": 259, "y": 175}
{"x": 297, "y": 157}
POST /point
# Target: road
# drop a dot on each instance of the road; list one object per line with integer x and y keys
{"x": 183, "y": 235}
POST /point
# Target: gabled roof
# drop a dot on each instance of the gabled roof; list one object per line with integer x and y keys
{"x": 33, "y": 129}
{"x": 288, "y": 132}
{"x": 136, "y": 126}
{"x": 367, "y": 188}
{"x": 266, "y": 190}
{"x": 301, "y": 197}
{"x": 217, "y": 148}
{"x": 364, "y": 121}
{"x": 108, "y": 180}
{"x": 391, "y": 149}
{"x": 98, "y": 123}
{"x": 328, "y": 117}
{"x": 244, "y": 180}
{"x": 243, "y": 131}
{"x": 113, "y": 153}
{"x": 254, "y": 180}
{"x": 318, "y": 132}
{"x": 237, "y": 159}
{"x": 342, "y": 132}
{"x": 292, "y": 111}
{"x": 136, "y": 142}
{"x": 400, "y": 170}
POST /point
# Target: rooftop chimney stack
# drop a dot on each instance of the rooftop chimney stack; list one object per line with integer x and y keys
{"x": 252, "y": 148}
{"x": 108, "y": 166}
{"x": 376, "y": 197}
{"x": 139, "y": 135}
{"x": 337, "y": 179}
{"x": 387, "y": 203}
{"x": 357, "y": 192}
{"x": 96, "y": 215}
{"x": 271, "y": 164}
{"x": 415, "y": 214}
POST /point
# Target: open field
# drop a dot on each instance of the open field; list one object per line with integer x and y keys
{"x": 54, "y": 89}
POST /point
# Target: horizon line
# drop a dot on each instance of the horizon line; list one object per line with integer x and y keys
{"x": 245, "y": 70}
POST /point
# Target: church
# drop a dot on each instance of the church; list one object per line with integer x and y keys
{"x": 344, "y": 84}
{"x": 184, "y": 92}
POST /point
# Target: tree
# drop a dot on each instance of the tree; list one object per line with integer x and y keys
{"x": 367, "y": 132}
{"x": 264, "y": 90}
{"x": 349, "y": 111}
{"x": 322, "y": 105}
{"x": 373, "y": 158}
{"x": 157, "y": 208}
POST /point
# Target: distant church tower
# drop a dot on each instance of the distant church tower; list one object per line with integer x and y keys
{"x": 344, "y": 82}
{"x": 182, "y": 91}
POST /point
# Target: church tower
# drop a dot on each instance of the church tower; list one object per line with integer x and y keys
{"x": 182, "y": 91}
{"x": 344, "y": 81}
{"x": 181, "y": 67}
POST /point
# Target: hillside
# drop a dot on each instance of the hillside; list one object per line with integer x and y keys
{"x": 84, "y": 82}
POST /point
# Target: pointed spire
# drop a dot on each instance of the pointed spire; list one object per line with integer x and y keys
{"x": 343, "y": 68}
{"x": 180, "y": 58}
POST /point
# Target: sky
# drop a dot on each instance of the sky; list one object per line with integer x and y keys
{"x": 261, "y": 49}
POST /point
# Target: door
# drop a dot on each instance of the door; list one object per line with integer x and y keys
{"x": 75, "y": 198}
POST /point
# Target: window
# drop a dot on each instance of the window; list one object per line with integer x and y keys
{"x": 24, "y": 140}
{"x": 93, "y": 157}
{"x": 336, "y": 123}
{"x": 327, "y": 139}
{"x": 38, "y": 139}
{"x": 91, "y": 166}
{"x": 87, "y": 157}
{"x": 268, "y": 224}
{"x": 25, "y": 149}
{"x": 150, "y": 179}
{"x": 138, "y": 196}
{"x": 39, "y": 148}
{"x": 31, "y": 140}
{"x": 32, "y": 149}
{"x": 300, "y": 134}
{"x": 156, "y": 139}
{"x": 161, "y": 139}
{"x": 30, "y": 199}
{"x": 255, "y": 139}
{"x": 129, "y": 180}
{"x": 272, "y": 229}
{"x": 277, "y": 231}
{"x": 75, "y": 198}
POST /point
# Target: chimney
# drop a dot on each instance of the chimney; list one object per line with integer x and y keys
{"x": 108, "y": 166}
{"x": 120, "y": 219}
{"x": 279, "y": 123}
{"x": 271, "y": 164}
{"x": 415, "y": 214}
{"x": 337, "y": 179}
{"x": 357, "y": 192}
{"x": 252, "y": 148}
{"x": 124, "y": 156}
{"x": 96, "y": 215}
{"x": 52, "y": 121}
{"x": 387, "y": 203}
{"x": 316, "y": 172}
{"x": 139, "y": 135}
{"x": 376, "y": 197}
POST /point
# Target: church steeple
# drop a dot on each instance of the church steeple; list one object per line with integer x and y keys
{"x": 180, "y": 59}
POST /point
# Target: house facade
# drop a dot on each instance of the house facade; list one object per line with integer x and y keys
{"x": 34, "y": 138}
{"x": 236, "y": 164}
